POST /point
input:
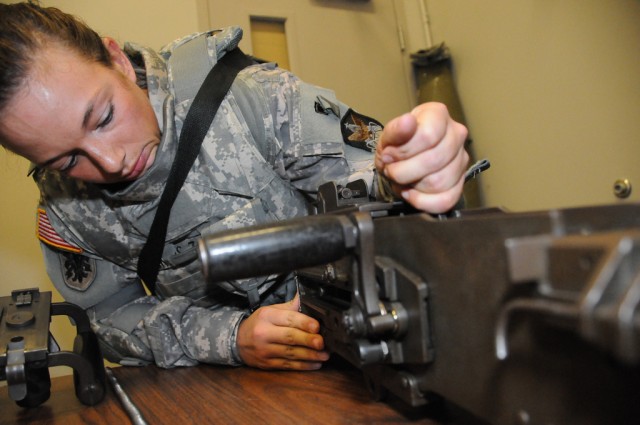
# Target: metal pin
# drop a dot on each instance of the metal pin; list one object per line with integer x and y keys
{"x": 127, "y": 404}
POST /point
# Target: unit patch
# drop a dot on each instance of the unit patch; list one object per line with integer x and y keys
{"x": 360, "y": 131}
{"x": 47, "y": 234}
{"x": 79, "y": 271}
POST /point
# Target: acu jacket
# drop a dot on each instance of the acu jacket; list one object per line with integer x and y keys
{"x": 274, "y": 140}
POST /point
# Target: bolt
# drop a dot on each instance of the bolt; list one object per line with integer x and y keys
{"x": 330, "y": 273}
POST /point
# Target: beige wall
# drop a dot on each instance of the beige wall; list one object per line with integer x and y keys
{"x": 351, "y": 47}
{"x": 550, "y": 88}
{"x": 551, "y": 92}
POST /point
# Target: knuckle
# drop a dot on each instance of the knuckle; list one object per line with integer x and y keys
{"x": 434, "y": 107}
{"x": 465, "y": 158}
{"x": 434, "y": 183}
{"x": 260, "y": 332}
{"x": 287, "y": 364}
{"x": 261, "y": 313}
{"x": 430, "y": 134}
{"x": 461, "y": 130}
{"x": 437, "y": 203}
{"x": 440, "y": 108}
{"x": 289, "y": 339}
{"x": 290, "y": 318}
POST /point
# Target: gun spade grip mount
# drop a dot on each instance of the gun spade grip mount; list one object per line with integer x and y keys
{"x": 275, "y": 247}
{"x": 27, "y": 350}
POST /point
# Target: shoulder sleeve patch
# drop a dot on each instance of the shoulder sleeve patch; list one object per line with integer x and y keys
{"x": 47, "y": 234}
{"x": 360, "y": 131}
{"x": 79, "y": 271}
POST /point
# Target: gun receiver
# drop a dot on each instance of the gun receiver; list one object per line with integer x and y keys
{"x": 526, "y": 318}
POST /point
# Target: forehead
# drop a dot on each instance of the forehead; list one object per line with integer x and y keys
{"x": 56, "y": 65}
{"x": 51, "y": 103}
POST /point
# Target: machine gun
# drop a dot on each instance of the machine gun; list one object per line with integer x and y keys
{"x": 517, "y": 318}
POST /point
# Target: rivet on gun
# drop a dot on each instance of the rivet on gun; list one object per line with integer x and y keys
{"x": 330, "y": 273}
{"x": 346, "y": 193}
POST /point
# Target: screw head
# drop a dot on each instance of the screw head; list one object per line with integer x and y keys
{"x": 622, "y": 188}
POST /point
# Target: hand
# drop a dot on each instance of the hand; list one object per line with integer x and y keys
{"x": 280, "y": 337}
{"x": 422, "y": 154}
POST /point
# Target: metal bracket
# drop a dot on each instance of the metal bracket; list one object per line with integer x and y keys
{"x": 29, "y": 349}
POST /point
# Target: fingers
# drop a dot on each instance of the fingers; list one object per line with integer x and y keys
{"x": 397, "y": 132}
{"x": 438, "y": 192}
{"x": 280, "y": 337}
{"x": 425, "y": 124}
{"x": 287, "y": 327}
{"x": 441, "y": 164}
{"x": 292, "y": 348}
{"x": 422, "y": 154}
{"x": 436, "y": 203}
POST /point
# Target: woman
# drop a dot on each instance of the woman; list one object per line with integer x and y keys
{"x": 101, "y": 125}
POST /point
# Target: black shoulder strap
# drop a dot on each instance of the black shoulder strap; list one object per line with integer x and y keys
{"x": 195, "y": 127}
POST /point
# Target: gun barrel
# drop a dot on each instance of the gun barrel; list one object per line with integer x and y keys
{"x": 275, "y": 248}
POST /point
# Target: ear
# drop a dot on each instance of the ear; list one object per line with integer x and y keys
{"x": 119, "y": 58}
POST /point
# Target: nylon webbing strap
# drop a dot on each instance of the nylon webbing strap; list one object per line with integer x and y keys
{"x": 195, "y": 127}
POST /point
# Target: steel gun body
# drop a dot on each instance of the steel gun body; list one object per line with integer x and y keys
{"x": 525, "y": 318}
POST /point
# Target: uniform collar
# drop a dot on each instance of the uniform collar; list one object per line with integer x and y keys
{"x": 151, "y": 184}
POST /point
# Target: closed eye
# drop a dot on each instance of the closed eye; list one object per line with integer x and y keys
{"x": 107, "y": 118}
{"x": 71, "y": 162}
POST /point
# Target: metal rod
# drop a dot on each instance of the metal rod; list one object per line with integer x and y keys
{"x": 127, "y": 404}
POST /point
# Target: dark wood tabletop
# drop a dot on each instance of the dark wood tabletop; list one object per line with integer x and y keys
{"x": 207, "y": 394}
{"x": 62, "y": 407}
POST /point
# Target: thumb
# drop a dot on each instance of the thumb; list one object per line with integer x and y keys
{"x": 292, "y": 305}
{"x": 396, "y": 133}
{"x": 295, "y": 302}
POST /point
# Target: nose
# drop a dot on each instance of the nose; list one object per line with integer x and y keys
{"x": 108, "y": 156}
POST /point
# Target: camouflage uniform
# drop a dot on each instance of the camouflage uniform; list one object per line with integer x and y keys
{"x": 273, "y": 141}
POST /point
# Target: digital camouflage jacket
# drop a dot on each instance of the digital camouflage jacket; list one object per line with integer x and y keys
{"x": 274, "y": 140}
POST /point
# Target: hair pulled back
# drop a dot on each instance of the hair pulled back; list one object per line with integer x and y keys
{"x": 26, "y": 28}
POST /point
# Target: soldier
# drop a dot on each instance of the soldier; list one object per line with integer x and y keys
{"x": 101, "y": 126}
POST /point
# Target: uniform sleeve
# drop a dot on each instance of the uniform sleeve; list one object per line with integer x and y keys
{"x": 134, "y": 328}
{"x": 319, "y": 147}
{"x": 173, "y": 332}
{"x": 305, "y": 132}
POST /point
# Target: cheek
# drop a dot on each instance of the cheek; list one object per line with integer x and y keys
{"x": 140, "y": 119}
{"x": 86, "y": 171}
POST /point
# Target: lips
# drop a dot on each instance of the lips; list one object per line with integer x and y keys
{"x": 140, "y": 165}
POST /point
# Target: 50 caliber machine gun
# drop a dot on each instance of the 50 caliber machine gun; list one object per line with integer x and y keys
{"x": 525, "y": 318}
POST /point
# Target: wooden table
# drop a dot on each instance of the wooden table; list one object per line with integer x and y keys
{"x": 221, "y": 395}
